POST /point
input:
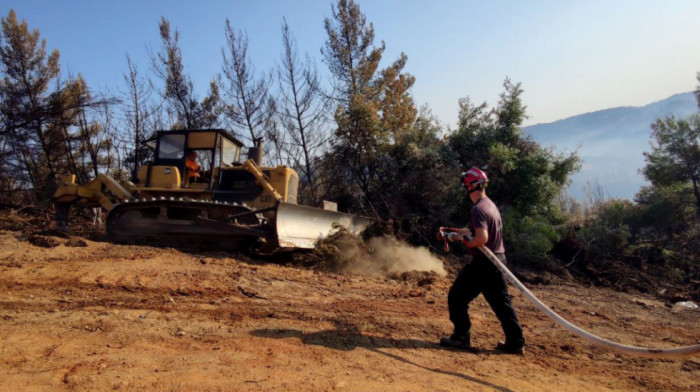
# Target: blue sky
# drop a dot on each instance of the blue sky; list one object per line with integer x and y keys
{"x": 571, "y": 57}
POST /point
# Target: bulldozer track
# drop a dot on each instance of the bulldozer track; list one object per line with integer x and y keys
{"x": 176, "y": 219}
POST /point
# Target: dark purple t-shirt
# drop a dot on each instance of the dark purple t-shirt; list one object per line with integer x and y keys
{"x": 485, "y": 215}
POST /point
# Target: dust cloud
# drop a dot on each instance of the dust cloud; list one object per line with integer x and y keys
{"x": 382, "y": 257}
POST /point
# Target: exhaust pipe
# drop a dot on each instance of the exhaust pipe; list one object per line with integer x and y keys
{"x": 255, "y": 153}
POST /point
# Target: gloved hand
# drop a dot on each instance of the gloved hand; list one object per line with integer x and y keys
{"x": 452, "y": 236}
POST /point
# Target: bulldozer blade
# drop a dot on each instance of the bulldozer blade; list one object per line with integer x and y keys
{"x": 302, "y": 227}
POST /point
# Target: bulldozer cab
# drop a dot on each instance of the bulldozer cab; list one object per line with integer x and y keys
{"x": 208, "y": 164}
{"x": 189, "y": 158}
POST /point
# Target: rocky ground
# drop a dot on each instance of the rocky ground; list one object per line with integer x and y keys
{"x": 84, "y": 314}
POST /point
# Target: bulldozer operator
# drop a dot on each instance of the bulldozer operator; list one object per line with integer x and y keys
{"x": 191, "y": 167}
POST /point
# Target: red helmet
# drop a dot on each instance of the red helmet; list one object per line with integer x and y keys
{"x": 474, "y": 179}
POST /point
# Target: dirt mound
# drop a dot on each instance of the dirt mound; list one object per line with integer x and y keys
{"x": 43, "y": 241}
{"x": 24, "y": 220}
{"x": 76, "y": 243}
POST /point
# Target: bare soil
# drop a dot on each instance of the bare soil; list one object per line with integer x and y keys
{"x": 84, "y": 314}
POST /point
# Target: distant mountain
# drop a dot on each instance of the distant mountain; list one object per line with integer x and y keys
{"x": 611, "y": 142}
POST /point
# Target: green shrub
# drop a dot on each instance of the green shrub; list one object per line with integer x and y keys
{"x": 609, "y": 229}
{"x": 529, "y": 239}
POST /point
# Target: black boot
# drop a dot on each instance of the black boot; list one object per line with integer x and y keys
{"x": 509, "y": 348}
{"x": 462, "y": 341}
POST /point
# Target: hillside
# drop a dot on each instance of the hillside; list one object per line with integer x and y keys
{"x": 84, "y": 314}
{"x": 611, "y": 142}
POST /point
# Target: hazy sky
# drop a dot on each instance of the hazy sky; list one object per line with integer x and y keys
{"x": 571, "y": 57}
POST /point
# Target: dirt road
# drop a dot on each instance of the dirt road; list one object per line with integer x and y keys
{"x": 86, "y": 316}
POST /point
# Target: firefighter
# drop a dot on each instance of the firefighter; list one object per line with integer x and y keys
{"x": 480, "y": 275}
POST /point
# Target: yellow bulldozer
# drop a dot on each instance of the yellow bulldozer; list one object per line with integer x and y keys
{"x": 197, "y": 188}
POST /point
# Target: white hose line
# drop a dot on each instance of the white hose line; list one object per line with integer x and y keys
{"x": 617, "y": 347}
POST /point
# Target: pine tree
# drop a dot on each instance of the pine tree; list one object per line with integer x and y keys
{"x": 675, "y": 154}
{"x": 522, "y": 174}
{"x": 302, "y": 110}
{"x": 25, "y": 101}
{"x": 178, "y": 92}
{"x": 137, "y": 110}
{"x": 373, "y": 107}
{"x": 250, "y": 107}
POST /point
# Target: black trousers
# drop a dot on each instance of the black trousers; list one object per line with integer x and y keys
{"x": 481, "y": 276}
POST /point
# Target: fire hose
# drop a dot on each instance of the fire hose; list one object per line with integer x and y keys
{"x": 648, "y": 352}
